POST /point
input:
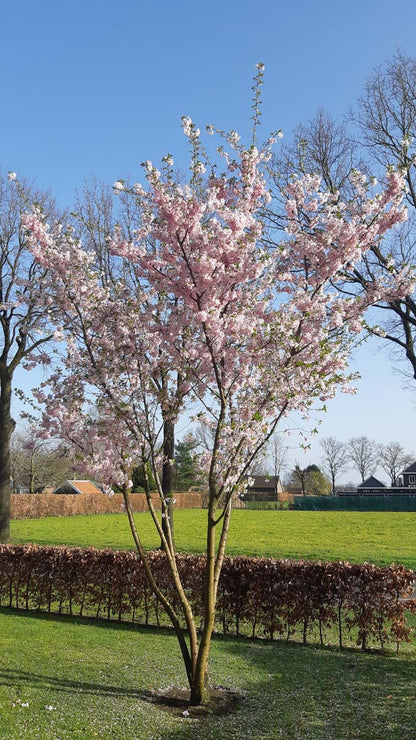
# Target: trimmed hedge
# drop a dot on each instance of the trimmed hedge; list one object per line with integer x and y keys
{"x": 37, "y": 505}
{"x": 354, "y": 503}
{"x": 257, "y": 597}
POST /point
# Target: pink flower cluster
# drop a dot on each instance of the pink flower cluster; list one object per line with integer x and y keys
{"x": 213, "y": 316}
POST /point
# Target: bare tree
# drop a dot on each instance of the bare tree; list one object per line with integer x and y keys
{"x": 300, "y": 475}
{"x": 24, "y": 326}
{"x": 205, "y": 436}
{"x": 335, "y": 460}
{"x": 394, "y": 460}
{"x": 380, "y": 135}
{"x": 364, "y": 454}
{"x": 387, "y": 116}
{"x": 97, "y": 213}
{"x": 321, "y": 146}
{"x": 386, "y": 119}
{"x": 279, "y": 457}
{"x": 37, "y": 462}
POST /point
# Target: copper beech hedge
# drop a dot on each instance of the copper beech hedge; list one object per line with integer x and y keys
{"x": 258, "y": 597}
{"x": 36, "y": 505}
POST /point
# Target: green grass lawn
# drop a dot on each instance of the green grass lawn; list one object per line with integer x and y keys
{"x": 84, "y": 679}
{"x": 64, "y": 679}
{"x": 378, "y": 537}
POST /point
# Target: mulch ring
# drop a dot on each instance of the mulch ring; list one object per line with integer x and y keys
{"x": 175, "y": 701}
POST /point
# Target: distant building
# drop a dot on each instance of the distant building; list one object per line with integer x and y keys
{"x": 262, "y": 488}
{"x": 77, "y": 486}
{"x": 373, "y": 487}
{"x": 409, "y": 476}
{"x": 369, "y": 485}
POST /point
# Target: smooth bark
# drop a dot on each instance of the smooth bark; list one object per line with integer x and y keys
{"x": 7, "y": 425}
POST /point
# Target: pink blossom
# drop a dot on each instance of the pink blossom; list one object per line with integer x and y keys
{"x": 215, "y": 318}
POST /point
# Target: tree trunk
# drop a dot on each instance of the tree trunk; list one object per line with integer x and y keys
{"x": 32, "y": 474}
{"x": 6, "y": 430}
{"x": 200, "y": 691}
{"x": 200, "y": 687}
{"x": 167, "y": 471}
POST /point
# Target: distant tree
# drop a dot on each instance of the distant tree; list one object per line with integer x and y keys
{"x": 205, "y": 436}
{"x": 317, "y": 482}
{"x": 335, "y": 460}
{"x": 310, "y": 479}
{"x": 321, "y": 146}
{"x": 272, "y": 461}
{"x": 381, "y": 134}
{"x": 37, "y": 463}
{"x": 364, "y": 455}
{"x": 142, "y": 476}
{"x": 261, "y": 464}
{"x": 348, "y": 486}
{"x": 97, "y": 215}
{"x": 393, "y": 460}
{"x": 24, "y": 315}
{"x": 187, "y": 468}
{"x": 297, "y": 478}
{"x": 386, "y": 119}
{"x": 278, "y": 456}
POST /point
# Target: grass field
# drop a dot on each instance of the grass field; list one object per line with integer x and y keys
{"x": 378, "y": 537}
{"x": 71, "y": 679}
{"x": 79, "y": 679}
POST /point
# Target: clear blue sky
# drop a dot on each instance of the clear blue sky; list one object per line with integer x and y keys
{"x": 96, "y": 87}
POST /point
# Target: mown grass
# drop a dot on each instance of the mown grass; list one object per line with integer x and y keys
{"x": 84, "y": 679}
{"x": 87, "y": 679}
{"x": 378, "y": 537}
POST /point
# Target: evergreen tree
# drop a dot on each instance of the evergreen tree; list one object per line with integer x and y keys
{"x": 187, "y": 469}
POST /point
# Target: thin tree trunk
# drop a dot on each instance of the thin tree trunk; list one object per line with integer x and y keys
{"x": 167, "y": 472}
{"x": 187, "y": 655}
{"x": 200, "y": 689}
{"x": 32, "y": 474}
{"x": 6, "y": 430}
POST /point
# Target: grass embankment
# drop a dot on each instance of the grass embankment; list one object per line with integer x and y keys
{"x": 85, "y": 680}
{"x": 378, "y": 537}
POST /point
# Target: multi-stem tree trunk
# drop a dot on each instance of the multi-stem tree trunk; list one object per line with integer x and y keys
{"x": 195, "y": 653}
{"x": 6, "y": 430}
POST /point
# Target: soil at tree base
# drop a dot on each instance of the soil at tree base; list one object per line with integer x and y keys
{"x": 222, "y": 701}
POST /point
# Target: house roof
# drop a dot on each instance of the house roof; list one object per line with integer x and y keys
{"x": 371, "y": 482}
{"x": 79, "y": 486}
{"x": 410, "y": 469}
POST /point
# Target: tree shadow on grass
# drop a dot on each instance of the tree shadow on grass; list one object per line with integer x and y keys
{"x": 175, "y": 702}
{"x": 291, "y": 692}
{"x": 17, "y": 677}
{"x": 99, "y": 622}
{"x": 325, "y": 692}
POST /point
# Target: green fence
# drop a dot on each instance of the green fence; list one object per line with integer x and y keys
{"x": 355, "y": 503}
